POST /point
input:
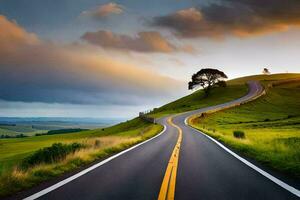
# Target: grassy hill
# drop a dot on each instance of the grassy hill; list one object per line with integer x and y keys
{"x": 98, "y": 143}
{"x": 264, "y": 78}
{"x": 198, "y": 100}
{"x": 271, "y": 125}
{"x": 235, "y": 88}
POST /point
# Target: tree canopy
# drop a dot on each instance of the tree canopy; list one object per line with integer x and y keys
{"x": 207, "y": 78}
{"x": 266, "y": 71}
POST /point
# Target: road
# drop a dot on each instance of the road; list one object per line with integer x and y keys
{"x": 180, "y": 162}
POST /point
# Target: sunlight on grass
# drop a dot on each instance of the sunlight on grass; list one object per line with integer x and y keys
{"x": 271, "y": 125}
{"x": 101, "y": 144}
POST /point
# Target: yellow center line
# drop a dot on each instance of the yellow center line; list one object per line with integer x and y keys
{"x": 167, "y": 189}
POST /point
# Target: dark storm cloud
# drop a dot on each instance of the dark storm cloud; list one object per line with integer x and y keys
{"x": 233, "y": 17}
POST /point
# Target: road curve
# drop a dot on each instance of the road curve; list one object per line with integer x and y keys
{"x": 204, "y": 171}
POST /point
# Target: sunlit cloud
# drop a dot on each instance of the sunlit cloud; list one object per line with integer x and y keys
{"x": 103, "y": 11}
{"x": 33, "y": 70}
{"x": 148, "y": 41}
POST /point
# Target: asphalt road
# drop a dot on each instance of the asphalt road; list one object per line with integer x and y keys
{"x": 205, "y": 170}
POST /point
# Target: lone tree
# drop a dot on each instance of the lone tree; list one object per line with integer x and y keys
{"x": 207, "y": 78}
{"x": 266, "y": 71}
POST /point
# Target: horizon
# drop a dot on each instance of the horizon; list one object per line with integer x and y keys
{"x": 120, "y": 119}
{"x": 105, "y": 59}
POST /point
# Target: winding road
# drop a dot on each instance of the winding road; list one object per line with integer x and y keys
{"x": 179, "y": 163}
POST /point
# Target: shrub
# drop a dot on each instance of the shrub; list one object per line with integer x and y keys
{"x": 61, "y": 131}
{"x": 54, "y": 153}
{"x": 97, "y": 143}
{"x": 221, "y": 83}
{"x": 267, "y": 120}
{"x": 239, "y": 134}
{"x": 16, "y": 136}
{"x": 40, "y": 134}
{"x": 290, "y": 116}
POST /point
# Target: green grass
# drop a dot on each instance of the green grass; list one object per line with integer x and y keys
{"x": 14, "y": 149}
{"x": 198, "y": 100}
{"x": 264, "y": 78}
{"x": 235, "y": 89}
{"x": 5, "y": 131}
{"x": 271, "y": 125}
{"x": 100, "y": 142}
{"x": 19, "y": 129}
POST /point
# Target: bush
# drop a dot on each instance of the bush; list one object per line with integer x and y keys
{"x": 16, "y": 136}
{"x": 61, "y": 131}
{"x": 55, "y": 153}
{"x": 290, "y": 116}
{"x": 40, "y": 134}
{"x": 221, "y": 83}
{"x": 203, "y": 115}
{"x": 97, "y": 143}
{"x": 239, "y": 134}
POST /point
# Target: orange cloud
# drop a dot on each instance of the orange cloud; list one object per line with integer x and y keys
{"x": 12, "y": 37}
{"x": 35, "y": 70}
{"x": 150, "y": 41}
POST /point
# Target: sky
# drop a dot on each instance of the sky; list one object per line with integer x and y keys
{"x": 94, "y": 58}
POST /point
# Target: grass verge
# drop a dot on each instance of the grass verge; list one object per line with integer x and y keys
{"x": 98, "y": 144}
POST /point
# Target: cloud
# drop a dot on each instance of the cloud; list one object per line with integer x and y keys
{"x": 12, "y": 36}
{"x": 104, "y": 11}
{"x": 144, "y": 41}
{"x": 240, "y": 18}
{"x": 150, "y": 41}
{"x": 33, "y": 70}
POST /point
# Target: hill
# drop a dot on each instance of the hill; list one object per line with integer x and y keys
{"x": 198, "y": 100}
{"x": 235, "y": 89}
{"x": 270, "y": 124}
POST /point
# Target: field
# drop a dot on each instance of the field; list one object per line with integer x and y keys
{"x": 271, "y": 125}
{"x": 99, "y": 143}
{"x": 23, "y": 127}
{"x": 14, "y": 130}
{"x": 264, "y": 78}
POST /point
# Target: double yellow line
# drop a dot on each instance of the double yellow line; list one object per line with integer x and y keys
{"x": 167, "y": 189}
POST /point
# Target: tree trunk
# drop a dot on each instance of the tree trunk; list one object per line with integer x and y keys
{"x": 206, "y": 91}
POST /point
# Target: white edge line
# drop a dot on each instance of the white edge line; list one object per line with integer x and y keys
{"x": 259, "y": 170}
{"x": 83, "y": 172}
